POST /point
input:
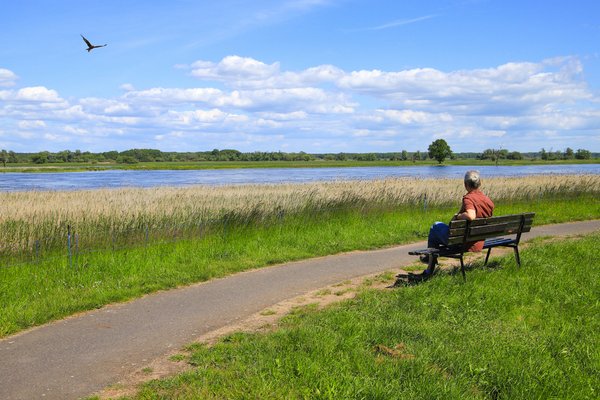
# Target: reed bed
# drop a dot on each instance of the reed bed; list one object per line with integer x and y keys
{"x": 33, "y": 219}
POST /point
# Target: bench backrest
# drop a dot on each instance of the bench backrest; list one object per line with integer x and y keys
{"x": 486, "y": 228}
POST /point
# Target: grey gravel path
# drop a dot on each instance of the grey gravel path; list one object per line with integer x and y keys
{"x": 78, "y": 356}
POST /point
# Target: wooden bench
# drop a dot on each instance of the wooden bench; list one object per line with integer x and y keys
{"x": 463, "y": 233}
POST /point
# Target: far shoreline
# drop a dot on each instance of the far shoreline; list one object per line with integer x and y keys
{"x": 215, "y": 165}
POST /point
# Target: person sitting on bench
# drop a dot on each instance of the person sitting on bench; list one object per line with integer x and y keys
{"x": 475, "y": 204}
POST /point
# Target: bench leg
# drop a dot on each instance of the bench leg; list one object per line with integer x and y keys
{"x": 487, "y": 256}
{"x": 516, "y": 249}
{"x": 431, "y": 264}
{"x": 462, "y": 269}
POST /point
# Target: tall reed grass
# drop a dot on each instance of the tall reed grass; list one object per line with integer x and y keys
{"x": 35, "y": 219}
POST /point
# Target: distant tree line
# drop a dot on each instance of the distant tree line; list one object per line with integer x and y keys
{"x": 438, "y": 150}
{"x": 567, "y": 154}
{"x": 147, "y": 155}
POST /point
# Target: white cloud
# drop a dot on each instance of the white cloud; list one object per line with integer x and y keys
{"x": 196, "y": 116}
{"x": 512, "y": 85}
{"x": 408, "y": 117}
{"x": 234, "y": 68}
{"x": 268, "y": 123}
{"x": 75, "y": 130}
{"x": 479, "y": 133}
{"x": 519, "y": 102}
{"x": 171, "y": 135}
{"x": 244, "y": 72}
{"x": 26, "y": 124}
{"x": 52, "y": 137}
{"x": 291, "y": 116}
{"x": 38, "y": 94}
{"x": 27, "y": 135}
{"x": 104, "y": 106}
{"x": 128, "y": 87}
{"x": 7, "y": 77}
{"x": 117, "y": 108}
{"x": 73, "y": 113}
{"x": 278, "y": 100}
{"x": 361, "y": 133}
{"x": 309, "y": 99}
{"x": 174, "y": 95}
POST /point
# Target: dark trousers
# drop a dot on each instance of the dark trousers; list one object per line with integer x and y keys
{"x": 438, "y": 235}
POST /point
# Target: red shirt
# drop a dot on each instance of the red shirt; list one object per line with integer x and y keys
{"x": 484, "y": 208}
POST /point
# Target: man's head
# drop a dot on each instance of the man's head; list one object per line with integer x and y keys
{"x": 472, "y": 180}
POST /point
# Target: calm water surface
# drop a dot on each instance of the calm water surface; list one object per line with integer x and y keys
{"x": 125, "y": 178}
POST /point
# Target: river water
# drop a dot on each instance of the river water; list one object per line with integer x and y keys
{"x": 153, "y": 178}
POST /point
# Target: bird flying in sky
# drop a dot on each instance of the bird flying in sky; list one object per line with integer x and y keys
{"x": 90, "y": 46}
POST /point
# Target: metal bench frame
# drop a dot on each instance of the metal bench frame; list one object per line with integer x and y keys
{"x": 463, "y": 233}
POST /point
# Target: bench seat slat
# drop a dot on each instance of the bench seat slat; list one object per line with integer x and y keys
{"x": 494, "y": 220}
{"x": 475, "y": 238}
{"x": 455, "y": 240}
{"x": 487, "y": 229}
{"x": 510, "y": 228}
{"x": 516, "y": 229}
{"x": 498, "y": 242}
{"x": 457, "y": 232}
{"x": 487, "y": 244}
{"x": 492, "y": 230}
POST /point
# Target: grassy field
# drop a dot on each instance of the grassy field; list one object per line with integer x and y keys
{"x": 509, "y": 333}
{"x": 198, "y": 165}
{"x": 261, "y": 226}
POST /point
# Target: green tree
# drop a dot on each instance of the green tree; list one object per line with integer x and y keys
{"x": 370, "y": 157}
{"x": 514, "y": 155}
{"x": 488, "y": 154}
{"x": 12, "y": 157}
{"x": 569, "y": 154}
{"x": 141, "y": 155}
{"x": 111, "y": 155}
{"x": 4, "y": 157}
{"x": 583, "y": 154}
{"x": 229, "y": 155}
{"x": 127, "y": 160}
{"x": 65, "y": 156}
{"x": 439, "y": 150}
{"x": 557, "y": 155}
{"x": 40, "y": 158}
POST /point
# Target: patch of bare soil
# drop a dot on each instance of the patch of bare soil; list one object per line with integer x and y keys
{"x": 176, "y": 361}
{"x": 266, "y": 320}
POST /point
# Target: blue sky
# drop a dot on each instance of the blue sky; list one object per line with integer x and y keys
{"x": 300, "y": 75}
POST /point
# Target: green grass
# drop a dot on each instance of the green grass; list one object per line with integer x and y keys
{"x": 32, "y": 294}
{"x": 507, "y": 333}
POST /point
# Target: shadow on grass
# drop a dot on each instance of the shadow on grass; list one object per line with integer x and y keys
{"x": 417, "y": 278}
